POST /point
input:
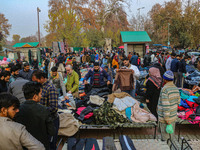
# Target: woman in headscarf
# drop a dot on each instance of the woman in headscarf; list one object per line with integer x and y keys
{"x": 115, "y": 62}
{"x": 153, "y": 85}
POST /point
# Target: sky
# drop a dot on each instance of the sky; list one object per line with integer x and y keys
{"x": 22, "y": 14}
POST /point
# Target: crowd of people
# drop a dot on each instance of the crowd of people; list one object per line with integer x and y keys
{"x": 29, "y": 92}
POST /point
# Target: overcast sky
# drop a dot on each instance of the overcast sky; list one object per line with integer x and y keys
{"x": 22, "y": 14}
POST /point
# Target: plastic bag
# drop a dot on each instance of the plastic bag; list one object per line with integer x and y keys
{"x": 169, "y": 129}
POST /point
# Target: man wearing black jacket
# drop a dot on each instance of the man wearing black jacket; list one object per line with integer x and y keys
{"x": 34, "y": 116}
{"x": 182, "y": 69}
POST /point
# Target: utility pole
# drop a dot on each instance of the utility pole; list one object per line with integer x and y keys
{"x": 38, "y": 11}
{"x": 139, "y": 16}
{"x": 168, "y": 35}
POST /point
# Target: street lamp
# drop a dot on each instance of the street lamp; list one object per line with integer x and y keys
{"x": 38, "y": 10}
{"x": 168, "y": 35}
{"x": 139, "y": 16}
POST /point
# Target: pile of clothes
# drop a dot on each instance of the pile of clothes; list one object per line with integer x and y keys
{"x": 99, "y": 107}
{"x": 189, "y": 107}
{"x": 193, "y": 78}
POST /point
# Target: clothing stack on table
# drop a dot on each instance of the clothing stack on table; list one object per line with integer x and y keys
{"x": 193, "y": 78}
{"x": 129, "y": 107}
{"x": 189, "y": 107}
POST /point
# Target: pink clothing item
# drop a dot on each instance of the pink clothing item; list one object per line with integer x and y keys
{"x": 181, "y": 115}
{"x": 140, "y": 115}
{"x": 80, "y": 109}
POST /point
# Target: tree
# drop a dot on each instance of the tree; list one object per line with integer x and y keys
{"x": 95, "y": 38}
{"x": 4, "y": 26}
{"x": 65, "y": 23}
{"x": 15, "y": 38}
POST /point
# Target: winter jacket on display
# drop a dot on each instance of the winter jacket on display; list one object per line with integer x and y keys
{"x": 140, "y": 115}
{"x": 112, "y": 96}
{"x": 124, "y": 79}
{"x": 68, "y": 125}
{"x": 105, "y": 115}
{"x": 124, "y": 103}
{"x": 85, "y": 112}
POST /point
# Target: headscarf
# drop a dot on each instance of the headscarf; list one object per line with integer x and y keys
{"x": 116, "y": 58}
{"x": 155, "y": 77}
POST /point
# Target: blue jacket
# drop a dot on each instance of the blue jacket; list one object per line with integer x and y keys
{"x": 134, "y": 60}
{"x": 174, "y": 65}
{"x": 103, "y": 74}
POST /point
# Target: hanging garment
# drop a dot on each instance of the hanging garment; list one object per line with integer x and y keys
{"x": 124, "y": 79}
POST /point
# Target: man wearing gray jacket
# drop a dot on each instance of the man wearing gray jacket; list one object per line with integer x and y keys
{"x": 15, "y": 88}
{"x": 14, "y": 135}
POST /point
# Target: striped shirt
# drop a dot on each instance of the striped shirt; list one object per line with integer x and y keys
{"x": 167, "y": 103}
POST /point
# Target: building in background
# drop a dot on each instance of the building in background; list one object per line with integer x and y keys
{"x": 135, "y": 41}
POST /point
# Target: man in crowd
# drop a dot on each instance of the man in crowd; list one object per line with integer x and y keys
{"x": 14, "y": 73}
{"x": 5, "y": 77}
{"x": 134, "y": 59}
{"x": 167, "y": 105}
{"x": 49, "y": 99}
{"x": 147, "y": 60}
{"x": 14, "y": 135}
{"x": 109, "y": 72}
{"x": 136, "y": 74}
{"x": 26, "y": 72}
{"x": 15, "y": 88}
{"x": 96, "y": 57}
{"x": 129, "y": 56}
{"x": 35, "y": 63}
{"x": 181, "y": 70}
{"x": 169, "y": 61}
{"x": 35, "y": 117}
{"x": 78, "y": 58}
{"x": 97, "y": 75}
{"x": 174, "y": 68}
{"x": 57, "y": 79}
{"x": 92, "y": 57}
{"x": 72, "y": 81}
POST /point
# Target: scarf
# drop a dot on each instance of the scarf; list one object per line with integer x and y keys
{"x": 116, "y": 59}
{"x": 154, "y": 77}
{"x": 54, "y": 77}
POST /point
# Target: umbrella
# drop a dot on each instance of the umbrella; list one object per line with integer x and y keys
{"x": 121, "y": 47}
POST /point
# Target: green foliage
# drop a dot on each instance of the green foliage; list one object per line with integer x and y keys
{"x": 184, "y": 29}
{"x": 95, "y": 38}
